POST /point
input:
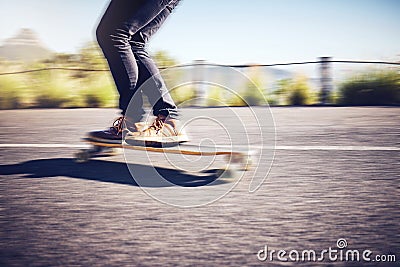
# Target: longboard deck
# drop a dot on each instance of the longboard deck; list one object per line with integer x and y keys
{"x": 239, "y": 157}
{"x": 182, "y": 148}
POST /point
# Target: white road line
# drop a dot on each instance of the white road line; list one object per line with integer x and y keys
{"x": 43, "y": 146}
{"x": 300, "y": 148}
{"x": 339, "y": 148}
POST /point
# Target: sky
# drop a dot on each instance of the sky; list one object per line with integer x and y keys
{"x": 230, "y": 31}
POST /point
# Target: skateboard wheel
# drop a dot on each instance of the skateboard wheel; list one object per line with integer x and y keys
{"x": 246, "y": 163}
{"x": 109, "y": 152}
{"x": 226, "y": 173}
{"x": 82, "y": 156}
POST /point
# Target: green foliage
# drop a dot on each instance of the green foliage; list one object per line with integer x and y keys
{"x": 283, "y": 87}
{"x": 100, "y": 93}
{"x": 272, "y": 101}
{"x": 61, "y": 59}
{"x": 295, "y": 92}
{"x": 253, "y": 93}
{"x": 215, "y": 98}
{"x": 371, "y": 88}
{"x": 236, "y": 100}
{"x": 164, "y": 60}
{"x": 183, "y": 96}
{"x": 50, "y": 98}
{"x": 298, "y": 97}
{"x": 51, "y": 93}
{"x": 90, "y": 57}
{"x": 10, "y": 89}
{"x": 49, "y": 89}
{"x": 334, "y": 97}
{"x": 56, "y": 88}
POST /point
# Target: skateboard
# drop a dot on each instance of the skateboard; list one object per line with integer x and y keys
{"x": 236, "y": 159}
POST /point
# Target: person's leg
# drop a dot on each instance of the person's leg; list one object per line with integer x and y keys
{"x": 122, "y": 20}
{"x": 166, "y": 127}
{"x": 150, "y": 81}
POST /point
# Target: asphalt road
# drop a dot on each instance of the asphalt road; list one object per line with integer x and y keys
{"x": 335, "y": 176}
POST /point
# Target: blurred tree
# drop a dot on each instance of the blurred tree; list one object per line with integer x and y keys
{"x": 283, "y": 88}
{"x": 10, "y": 97}
{"x": 90, "y": 57}
{"x": 295, "y": 92}
{"x": 61, "y": 59}
{"x": 214, "y": 97}
{"x": 300, "y": 94}
{"x": 253, "y": 94}
{"x": 371, "y": 88}
{"x": 163, "y": 59}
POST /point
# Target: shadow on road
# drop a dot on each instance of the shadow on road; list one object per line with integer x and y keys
{"x": 104, "y": 171}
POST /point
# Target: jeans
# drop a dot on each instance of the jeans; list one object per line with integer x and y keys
{"x": 122, "y": 34}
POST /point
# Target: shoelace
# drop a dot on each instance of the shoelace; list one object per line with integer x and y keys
{"x": 118, "y": 124}
{"x": 157, "y": 125}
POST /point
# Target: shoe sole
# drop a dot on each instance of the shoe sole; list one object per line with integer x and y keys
{"x": 108, "y": 141}
{"x": 169, "y": 139}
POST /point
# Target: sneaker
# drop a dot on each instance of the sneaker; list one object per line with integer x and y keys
{"x": 115, "y": 133}
{"x": 162, "y": 131}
